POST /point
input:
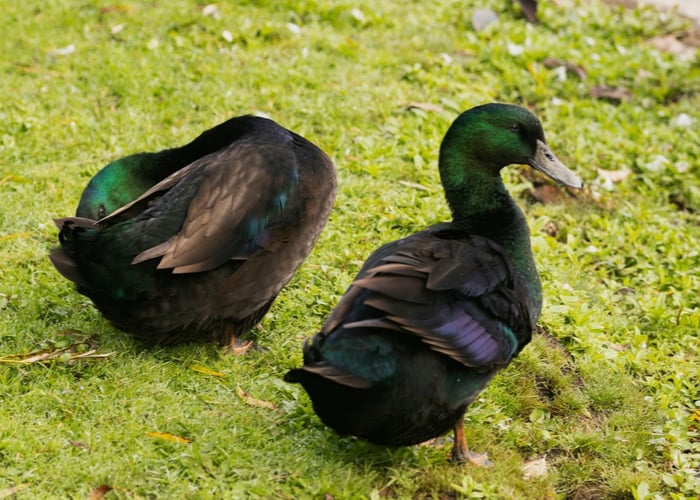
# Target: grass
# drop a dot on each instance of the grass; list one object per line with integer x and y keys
{"x": 608, "y": 393}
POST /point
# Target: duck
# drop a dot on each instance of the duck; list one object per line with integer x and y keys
{"x": 431, "y": 318}
{"x": 194, "y": 243}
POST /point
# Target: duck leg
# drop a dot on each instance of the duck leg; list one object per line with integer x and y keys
{"x": 236, "y": 345}
{"x": 460, "y": 450}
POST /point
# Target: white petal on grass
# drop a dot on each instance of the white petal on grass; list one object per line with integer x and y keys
{"x": 226, "y": 34}
{"x": 358, "y": 14}
{"x": 482, "y": 18}
{"x": 211, "y": 10}
{"x": 117, "y": 28}
{"x": 535, "y": 468}
{"x": 683, "y": 120}
{"x": 514, "y": 49}
{"x": 656, "y": 164}
{"x": 294, "y": 28}
{"x": 64, "y": 51}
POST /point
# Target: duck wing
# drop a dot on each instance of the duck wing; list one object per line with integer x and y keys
{"x": 460, "y": 296}
{"x": 227, "y": 205}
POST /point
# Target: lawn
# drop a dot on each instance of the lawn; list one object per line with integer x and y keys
{"x": 605, "y": 403}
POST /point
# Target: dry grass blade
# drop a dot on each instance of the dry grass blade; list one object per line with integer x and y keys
{"x": 248, "y": 399}
{"x": 171, "y": 438}
{"x": 65, "y": 354}
{"x": 206, "y": 371}
{"x": 13, "y": 490}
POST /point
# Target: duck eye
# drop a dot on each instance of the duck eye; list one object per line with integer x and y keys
{"x": 515, "y": 127}
{"x": 101, "y": 212}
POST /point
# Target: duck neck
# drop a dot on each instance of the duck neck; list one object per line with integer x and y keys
{"x": 480, "y": 204}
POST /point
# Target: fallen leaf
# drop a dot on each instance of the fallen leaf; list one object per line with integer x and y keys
{"x": 117, "y": 28}
{"x": 13, "y": 490}
{"x": 248, "y": 399}
{"x": 99, "y": 492}
{"x": 481, "y": 18}
{"x": 671, "y": 45}
{"x": 206, "y": 371}
{"x": 172, "y": 438}
{"x": 574, "y": 69}
{"x": 611, "y": 93}
{"x": 695, "y": 419}
{"x": 529, "y": 8}
{"x": 425, "y": 106}
{"x": 13, "y": 178}
{"x": 546, "y": 193}
{"x": 535, "y": 468}
{"x": 65, "y": 354}
{"x": 211, "y": 10}
{"x": 614, "y": 176}
{"x": 415, "y": 185}
{"x": 79, "y": 444}
{"x": 13, "y": 236}
{"x": 116, "y": 8}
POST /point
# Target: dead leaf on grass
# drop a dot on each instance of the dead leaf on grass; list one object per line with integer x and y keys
{"x": 415, "y": 185}
{"x": 671, "y": 45}
{"x": 546, "y": 193}
{"x": 529, "y": 8}
{"x": 64, "y": 354}
{"x": 14, "y": 236}
{"x": 13, "y": 490}
{"x": 99, "y": 492}
{"x": 535, "y": 468}
{"x": 574, "y": 69}
{"x": 613, "y": 94}
{"x": 206, "y": 371}
{"x": 615, "y": 176}
{"x": 79, "y": 444}
{"x": 171, "y": 438}
{"x": 425, "y": 106}
{"x": 248, "y": 399}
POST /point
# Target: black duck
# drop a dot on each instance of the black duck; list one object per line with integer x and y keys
{"x": 196, "y": 242}
{"x": 431, "y": 318}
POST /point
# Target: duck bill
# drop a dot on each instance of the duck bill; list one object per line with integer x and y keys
{"x": 546, "y": 162}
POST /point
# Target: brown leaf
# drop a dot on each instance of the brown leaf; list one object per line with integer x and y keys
{"x": 79, "y": 444}
{"x": 248, "y": 399}
{"x": 529, "y": 9}
{"x": 546, "y": 193}
{"x": 99, "y": 492}
{"x": 574, "y": 69}
{"x": 671, "y": 45}
{"x": 611, "y": 93}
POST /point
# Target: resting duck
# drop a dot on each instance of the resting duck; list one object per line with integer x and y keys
{"x": 195, "y": 243}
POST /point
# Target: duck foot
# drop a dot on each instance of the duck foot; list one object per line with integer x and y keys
{"x": 239, "y": 346}
{"x": 460, "y": 450}
{"x": 233, "y": 344}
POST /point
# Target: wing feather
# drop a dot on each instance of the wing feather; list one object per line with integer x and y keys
{"x": 244, "y": 199}
{"x": 461, "y": 296}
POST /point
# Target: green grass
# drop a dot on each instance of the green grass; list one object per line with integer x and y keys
{"x": 609, "y": 393}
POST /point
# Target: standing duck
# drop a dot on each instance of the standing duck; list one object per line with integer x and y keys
{"x": 194, "y": 243}
{"x": 431, "y": 318}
